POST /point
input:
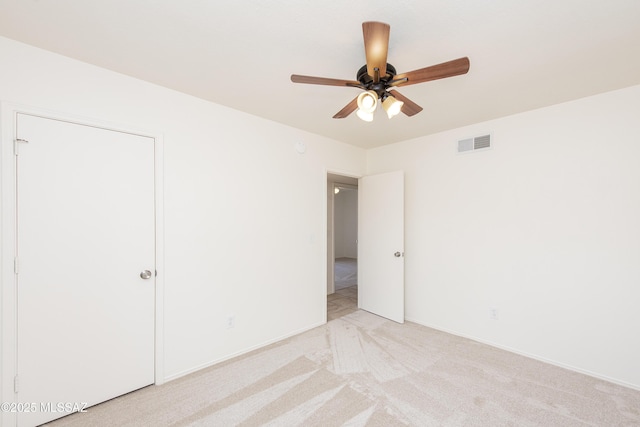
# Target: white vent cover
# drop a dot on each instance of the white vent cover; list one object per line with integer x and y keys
{"x": 475, "y": 143}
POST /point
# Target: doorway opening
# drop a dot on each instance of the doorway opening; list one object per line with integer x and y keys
{"x": 342, "y": 249}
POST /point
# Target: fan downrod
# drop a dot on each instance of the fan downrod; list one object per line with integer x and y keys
{"x": 381, "y": 86}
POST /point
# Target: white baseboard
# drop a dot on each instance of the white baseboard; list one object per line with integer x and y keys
{"x": 531, "y": 356}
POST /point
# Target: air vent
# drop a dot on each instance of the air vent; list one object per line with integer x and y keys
{"x": 480, "y": 142}
{"x": 474, "y": 144}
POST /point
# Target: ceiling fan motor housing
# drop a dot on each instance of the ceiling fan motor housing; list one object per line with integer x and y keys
{"x": 381, "y": 86}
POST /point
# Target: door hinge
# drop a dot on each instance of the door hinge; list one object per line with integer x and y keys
{"x": 16, "y": 265}
{"x": 15, "y": 384}
{"x": 16, "y": 142}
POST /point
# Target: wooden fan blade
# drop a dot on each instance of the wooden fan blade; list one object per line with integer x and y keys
{"x": 376, "y": 46}
{"x": 435, "y": 72}
{"x": 410, "y": 108}
{"x": 348, "y": 109}
{"x": 324, "y": 81}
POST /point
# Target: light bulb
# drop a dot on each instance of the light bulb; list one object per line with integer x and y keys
{"x": 368, "y": 101}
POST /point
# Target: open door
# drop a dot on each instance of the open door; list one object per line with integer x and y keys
{"x": 381, "y": 245}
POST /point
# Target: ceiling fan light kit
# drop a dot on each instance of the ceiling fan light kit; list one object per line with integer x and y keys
{"x": 377, "y": 78}
{"x": 392, "y": 106}
{"x": 368, "y": 101}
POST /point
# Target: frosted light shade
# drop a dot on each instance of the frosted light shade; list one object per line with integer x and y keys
{"x": 367, "y": 117}
{"x": 392, "y": 106}
{"x": 368, "y": 101}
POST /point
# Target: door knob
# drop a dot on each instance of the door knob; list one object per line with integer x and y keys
{"x": 397, "y": 254}
{"x": 146, "y": 274}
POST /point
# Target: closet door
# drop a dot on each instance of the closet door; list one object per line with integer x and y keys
{"x": 86, "y": 265}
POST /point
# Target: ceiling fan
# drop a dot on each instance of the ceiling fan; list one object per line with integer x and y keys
{"x": 379, "y": 79}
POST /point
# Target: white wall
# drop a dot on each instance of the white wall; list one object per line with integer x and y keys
{"x": 346, "y": 223}
{"x": 229, "y": 237}
{"x": 545, "y": 227}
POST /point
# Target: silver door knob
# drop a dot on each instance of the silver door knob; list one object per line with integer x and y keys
{"x": 397, "y": 254}
{"x": 145, "y": 274}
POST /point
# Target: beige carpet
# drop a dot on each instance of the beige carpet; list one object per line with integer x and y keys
{"x": 362, "y": 370}
{"x": 342, "y": 302}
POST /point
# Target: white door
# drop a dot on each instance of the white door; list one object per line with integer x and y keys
{"x": 86, "y": 231}
{"x": 381, "y": 245}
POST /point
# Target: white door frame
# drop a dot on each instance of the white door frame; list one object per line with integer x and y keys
{"x": 331, "y": 236}
{"x": 329, "y": 264}
{"x": 8, "y": 230}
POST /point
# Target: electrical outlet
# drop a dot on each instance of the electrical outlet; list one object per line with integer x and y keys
{"x": 231, "y": 321}
{"x": 493, "y": 313}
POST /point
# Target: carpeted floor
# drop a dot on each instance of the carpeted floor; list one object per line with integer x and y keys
{"x": 342, "y": 302}
{"x": 363, "y": 370}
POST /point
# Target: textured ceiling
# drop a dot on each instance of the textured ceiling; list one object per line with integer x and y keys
{"x": 524, "y": 54}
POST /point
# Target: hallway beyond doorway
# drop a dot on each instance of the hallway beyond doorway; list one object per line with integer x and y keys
{"x": 345, "y": 273}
